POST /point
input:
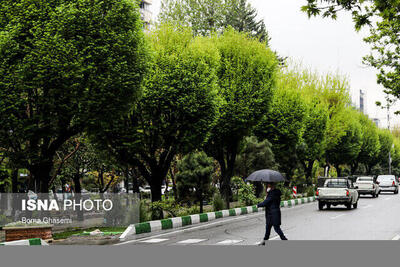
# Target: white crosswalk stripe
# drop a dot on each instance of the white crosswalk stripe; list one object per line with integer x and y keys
{"x": 397, "y": 237}
{"x": 229, "y": 242}
{"x": 191, "y": 241}
{"x": 154, "y": 240}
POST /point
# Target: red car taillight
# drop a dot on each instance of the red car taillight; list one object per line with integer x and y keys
{"x": 393, "y": 184}
{"x": 347, "y": 193}
{"x": 317, "y": 193}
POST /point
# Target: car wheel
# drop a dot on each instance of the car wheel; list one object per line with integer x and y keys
{"x": 321, "y": 205}
{"x": 328, "y": 206}
{"x": 348, "y": 206}
{"x": 355, "y": 205}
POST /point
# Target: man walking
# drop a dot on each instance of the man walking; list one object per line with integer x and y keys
{"x": 272, "y": 205}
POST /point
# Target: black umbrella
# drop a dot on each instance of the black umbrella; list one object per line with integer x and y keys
{"x": 268, "y": 176}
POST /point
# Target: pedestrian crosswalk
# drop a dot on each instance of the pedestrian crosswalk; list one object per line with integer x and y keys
{"x": 229, "y": 242}
{"x": 194, "y": 241}
{"x": 191, "y": 241}
{"x": 154, "y": 240}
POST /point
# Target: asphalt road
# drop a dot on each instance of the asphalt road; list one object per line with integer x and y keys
{"x": 375, "y": 219}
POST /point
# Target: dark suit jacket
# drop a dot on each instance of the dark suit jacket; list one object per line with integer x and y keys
{"x": 272, "y": 205}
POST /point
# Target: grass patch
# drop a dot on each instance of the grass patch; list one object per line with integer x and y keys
{"x": 66, "y": 234}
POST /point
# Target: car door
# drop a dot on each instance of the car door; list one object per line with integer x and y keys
{"x": 353, "y": 192}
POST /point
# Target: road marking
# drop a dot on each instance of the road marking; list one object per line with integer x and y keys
{"x": 397, "y": 237}
{"x": 154, "y": 240}
{"x": 274, "y": 238}
{"x": 366, "y": 207}
{"x": 207, "y": 225}
{"x": 229, "y": 242}
{"x": 191, "y": 241}
{"x": 338, "y": 216}
{"x": 388, "y": 198}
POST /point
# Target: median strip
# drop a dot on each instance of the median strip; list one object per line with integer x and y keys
{"x": 173, "y": 223}
{"x": 26, "y": 242}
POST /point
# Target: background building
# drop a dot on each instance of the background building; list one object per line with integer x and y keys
{"x": 145, "y": 11}
{"x": 362, "y": 101}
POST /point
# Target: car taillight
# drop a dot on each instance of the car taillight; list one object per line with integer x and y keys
{"x": 393, "y": 184}
{"x": 347, "y": 193}
{"x": 317, "y": 193}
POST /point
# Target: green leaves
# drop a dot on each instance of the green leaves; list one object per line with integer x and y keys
{"x": 208, "y": 16}
{"x": 66, "y": 67}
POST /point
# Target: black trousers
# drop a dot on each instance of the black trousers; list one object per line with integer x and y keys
{"x": 277, "y": 229}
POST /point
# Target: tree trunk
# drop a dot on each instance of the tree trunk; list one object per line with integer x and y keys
{"x": 338, "y": 170}
{"x": 135, "y": 181}
{"x": 174, "y": 188}
{"x": 354, "y": 168}
{"x": 200, "y": 197}
{"x": 308, "y": 170}
{"x": 369, "y": 169}
{"x": 155, "y": 187}
{"x": 78, "y": 196}
{"x": 126, "y": 182}
{"x": 41, "y": 175}
{"x": 14, "y": 180}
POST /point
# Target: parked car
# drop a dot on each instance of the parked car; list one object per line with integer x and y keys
{"x": 367, "y": 186}
{"x": 336, "y": 191}
{"x": 388, "y": 183}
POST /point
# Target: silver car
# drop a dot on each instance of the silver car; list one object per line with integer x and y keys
{"x": 388, "y": 183}
{"x": 367, "y": 186}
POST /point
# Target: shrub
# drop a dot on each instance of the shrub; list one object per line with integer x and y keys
{"x": 167, "y": 205}
{"x": 144, "y": 211}
{"x": 217, "y": 202}
{"x": 309, "y": 191}
{"x": 246, "y": 195}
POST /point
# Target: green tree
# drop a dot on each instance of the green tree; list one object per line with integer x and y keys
{"x": 384, "y": 33}
{"x": 335, "y": 97}
{"x": 386, "y": 142}
{"x": 203, "y": 16}
{"x": 396, "y": 157}
{"x": 178, "y": 108}
{"x": 348, "y": 147}
{"x": 246, "y": 79}
{"x": 65, "y": 66}
{"x": 361, "y": 10}
{"x": 207, "y": 16}
{"x": 283, "y": 124}
{"x": 313, "y": 145}
{"x": 194, "y": 175}
{"x": 370, "y": 143}
{"x": 313, "y": 142}
{"x": 240, "y": 15}
{"x": 254, "y": 155}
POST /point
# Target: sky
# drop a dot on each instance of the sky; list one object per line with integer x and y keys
{"x": 323, "y": 45}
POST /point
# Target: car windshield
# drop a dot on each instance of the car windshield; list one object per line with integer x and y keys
{"x": 336, "y": 183}
{"x": 386, "y": 178}
{"x": 364, "y": 179}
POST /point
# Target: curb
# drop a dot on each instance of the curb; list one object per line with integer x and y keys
{"x": 26, "y": 242}
{"x": 172, "y": 223}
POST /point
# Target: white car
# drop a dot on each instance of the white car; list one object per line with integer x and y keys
{"x": 337, "y": 191}
{"x": 388, "y": 183}
{"x": 367, "y": 186}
